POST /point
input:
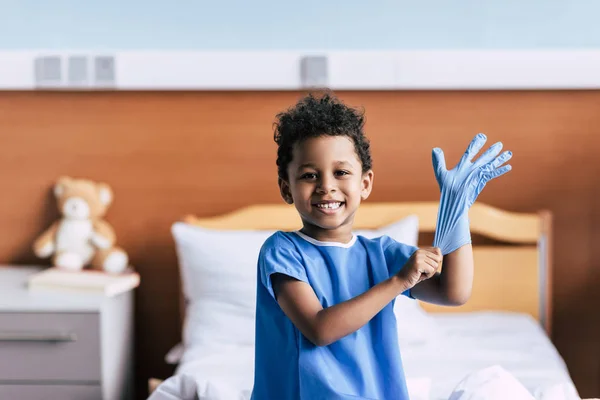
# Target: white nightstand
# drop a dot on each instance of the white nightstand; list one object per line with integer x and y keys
{"x": 63, "y": 346}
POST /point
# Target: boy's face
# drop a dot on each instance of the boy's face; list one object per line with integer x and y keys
{"x": 326, "y": 184}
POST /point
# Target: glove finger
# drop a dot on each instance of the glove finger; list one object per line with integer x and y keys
{"x": 500, "y": 171}
{"x": 474, "y": 147}
{"x": 439, "y": 165}
{"x": 439, "y": 162}
{"x": 489, "y": 155}
{"x": 501, "y": 159}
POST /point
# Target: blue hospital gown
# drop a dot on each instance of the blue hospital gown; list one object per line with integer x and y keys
{"x": 365, "y": 364}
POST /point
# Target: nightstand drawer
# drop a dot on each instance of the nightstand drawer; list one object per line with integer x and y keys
{"x": 50, "y": 346}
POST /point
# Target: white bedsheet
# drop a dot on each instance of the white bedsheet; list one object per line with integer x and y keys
{"x": 474, "y": 341}
{"x": 469, "y": 343}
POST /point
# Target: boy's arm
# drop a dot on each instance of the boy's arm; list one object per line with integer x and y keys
{"x": 452, "y": 286}
{"x": 323, "y": 326}
{"x": 459, "y": 189}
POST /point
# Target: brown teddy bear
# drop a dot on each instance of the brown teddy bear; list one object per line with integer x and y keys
{"x": 81, "y": 237}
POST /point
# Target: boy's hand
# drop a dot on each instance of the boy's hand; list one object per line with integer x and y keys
{"x": 423, "y": 264}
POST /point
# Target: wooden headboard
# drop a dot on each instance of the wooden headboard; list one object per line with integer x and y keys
{"x": 513, "y": 275}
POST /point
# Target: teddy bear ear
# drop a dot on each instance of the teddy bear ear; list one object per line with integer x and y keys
{"x": 105, "y": 193}
{"x": 61, "y": 185}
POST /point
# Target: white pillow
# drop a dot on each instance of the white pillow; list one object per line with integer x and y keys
{"x": 218, "y": 274}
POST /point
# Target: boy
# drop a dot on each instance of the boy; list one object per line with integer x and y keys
{"x": 325, "y": 327}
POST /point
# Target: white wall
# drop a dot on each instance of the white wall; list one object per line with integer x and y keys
{"x": 301, "y": 24}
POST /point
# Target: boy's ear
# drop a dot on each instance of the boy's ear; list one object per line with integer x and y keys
{"x": 367, "y": 184}
{"x": 286, "y": 193}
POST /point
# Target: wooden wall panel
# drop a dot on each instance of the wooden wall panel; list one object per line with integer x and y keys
{"x": 168, "y": 154}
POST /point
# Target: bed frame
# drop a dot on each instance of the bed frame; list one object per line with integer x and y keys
{"x": 512, "y": 275}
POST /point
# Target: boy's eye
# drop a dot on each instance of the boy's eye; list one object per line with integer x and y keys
{"x": 308, "y": 175}
{"x": 342, "y": 173}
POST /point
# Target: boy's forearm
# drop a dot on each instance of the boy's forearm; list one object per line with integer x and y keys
{"x": 451, "y": 287}
{"x": 333, "y": 323}
{"x": 456, "y": 279}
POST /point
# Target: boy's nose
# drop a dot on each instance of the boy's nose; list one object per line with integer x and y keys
{"x": 325, "y": 186}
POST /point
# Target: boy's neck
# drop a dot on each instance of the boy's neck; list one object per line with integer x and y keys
{"x": 343, "y": 234}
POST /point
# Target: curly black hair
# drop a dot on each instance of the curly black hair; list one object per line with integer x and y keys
{"x": 319, "y": 115}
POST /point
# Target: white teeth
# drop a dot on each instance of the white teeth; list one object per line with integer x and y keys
{"x": 330, "y": 206}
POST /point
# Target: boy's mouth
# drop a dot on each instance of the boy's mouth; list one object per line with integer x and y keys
{"x": 329, "y": 206}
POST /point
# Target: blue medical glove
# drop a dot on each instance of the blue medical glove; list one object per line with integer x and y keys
{"x": 460, "y": 187}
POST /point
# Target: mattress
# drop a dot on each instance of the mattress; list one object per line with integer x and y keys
{"x": 466, "y": 343}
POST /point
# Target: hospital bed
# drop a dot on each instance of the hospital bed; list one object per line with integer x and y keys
{"x": 506, "y": 323}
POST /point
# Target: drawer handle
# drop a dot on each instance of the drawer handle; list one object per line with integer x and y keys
{"x": 38, "y": 337}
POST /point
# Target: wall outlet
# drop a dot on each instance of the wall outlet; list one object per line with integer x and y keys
{"x": 104, "y": 71}
{"x": 78, "y": 74}
{"x": 313, "y": 71}
{"x": 48, "y": 71}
